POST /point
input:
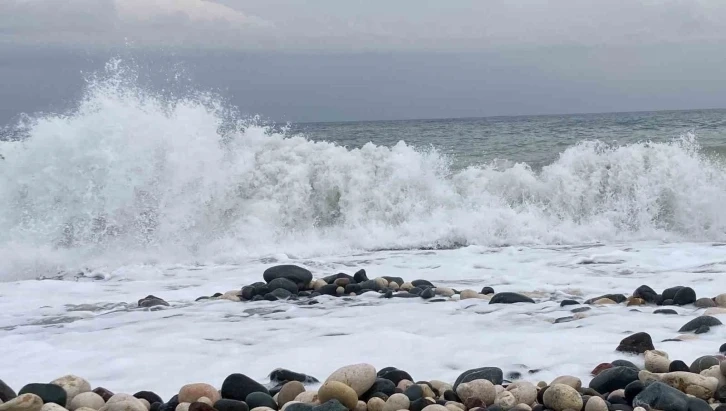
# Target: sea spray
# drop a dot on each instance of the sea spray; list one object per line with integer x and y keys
{"x": 133, "y": 176}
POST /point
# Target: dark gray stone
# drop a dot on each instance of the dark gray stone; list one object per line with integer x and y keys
{"x": 394, "y": 374}
{"x": 493, "y": 374}
{"x": 624, "y": 363}
{"x": 700, "y": 321}
{"x": 487, "y": 290}
{"x": 565, "y": 303}
{"x": 633, "y": 389}
{"x": 331, "y": 405}
{"x": 47, "y": 392}
{"x": 637, "y": 343}
{"x": 397, "y": 280}
{"x": 662, "y": 397}
{"x": 697, "y": 404}
{"x": 666, "y": 311}
{"x": 510, "y": 298}
{"x": 360, "y": 276}
{"x": 382, "y": 385}
{"x": 6, "y": 393}
{"x": 282, "y": 375}
{"x": 231, "y": 405}
{"x": 300, "y": 407}
{"x": 298, "y": 275}
{"x": 613, "y": 379}
{"x": 428, "y": 293}
{"x": 283, "y": 283}
{"x": 678, "y": 365}
{"x": 260, "y": 399}
{"x": 422, "y": 284}
{"x": 151, "y": 301}
{"x": 149, "y": 396}
{"x": 278, "y": 294}
{"x": 239, "y": 386}
{"x": 685, "y": 295}
{"x": 647, "y": 294}
{"x": 702, "y": 329}
{"x": 414, "y": 392}
{"x": 670, "y": 293}
{"x": 703, "y": 363}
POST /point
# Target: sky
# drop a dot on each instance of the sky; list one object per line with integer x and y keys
{"x": 330, "y": 60}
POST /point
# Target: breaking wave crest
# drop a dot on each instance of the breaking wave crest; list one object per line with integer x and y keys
{"x": 133, "y": 176}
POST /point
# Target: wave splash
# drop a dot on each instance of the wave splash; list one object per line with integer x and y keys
{"x": 133, "y": 176}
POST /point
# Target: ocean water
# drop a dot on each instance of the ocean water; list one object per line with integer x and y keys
{"x": 134, "y": 192}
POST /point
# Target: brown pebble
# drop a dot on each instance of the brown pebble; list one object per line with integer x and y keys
{"x": 600, "y": 368}
{"x": 342, "y": 282}
{"x": 289, "y": 392}
{"x": 104, "y": 393}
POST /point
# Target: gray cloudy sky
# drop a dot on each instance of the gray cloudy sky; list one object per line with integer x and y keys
{"x": 346, "y": 60}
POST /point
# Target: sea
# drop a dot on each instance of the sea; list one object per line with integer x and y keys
{"x": 134, "y": 192}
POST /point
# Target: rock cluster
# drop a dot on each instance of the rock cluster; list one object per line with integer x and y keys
{"x": 293, "y": 283}
{"x": 616, "y": 386}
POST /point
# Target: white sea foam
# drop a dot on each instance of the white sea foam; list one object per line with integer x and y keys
{"x": 51, "y": 328}
{"x": 132, "y": 176}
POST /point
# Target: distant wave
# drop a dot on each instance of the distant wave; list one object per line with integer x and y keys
{"x": 132, "y": 177}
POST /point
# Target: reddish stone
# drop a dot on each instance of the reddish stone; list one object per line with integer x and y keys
{"x": 600, "y": 368}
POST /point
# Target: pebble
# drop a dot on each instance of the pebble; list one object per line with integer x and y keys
{"x": 656, "y": 361}
{"x": 260, "y": 400}
{"x": 192, "y": 392}
{"x": 596, "y": 404}
{"x": 561, "y": 397}
{"x": 476, "y": 393}
{"x": 87, "y": 399}
{"x": 715, "y": 311}
{"x": 698, "y": 322}
{"x": 104, "y": 393}
{"x": 506, "y": 400}
{"x": 666, "y": 311}
{"x": 296, "y": 274}
{"x": 149, "y": 396}
{"x": 414, "y": 392}
{"x": 397, "y": 402}
{"x": 337, "y": 390}
{"x": 693, "y": 384}
{"x": 662, "y": 397}
{"x": 573, "y": 382}
{"x": 51, "y": 406}
{"x": 703, "y": 363}
{"x": 613, "y": 379}
{"x": 637, "y": 343}
{"x": 129, "y": 405}
{"x": 471, "y": 294}
{"x": 492, "y": 374}
{"x": 525, "y": 392}
{"x": 720, "y": 300}
{"x": 289, "y": 392}
{"x": 6, "y": 393}
{"x": 152, "y": 301}
{"x": 308, "y": 397}
{"x": 394, "y": 375}
{"x": 281, "y": 375}
{"x": 46, "y": 392}
{"x": 435, "y": 407}
{"x": 239, "y": 386}
{"x": 646, "y": 293}
{"x": 685, "y": 295}
{"x": 704, "y": 303}
{"x": 678, "y": 365}
{"x": 73, "y": 385}
{"x": 359, "y": 377}
{"x": 375, "y": 404}
{"x": 23, "y": 402}
{"x": 600, "y": 368}
{"x": 510, "y": 298}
